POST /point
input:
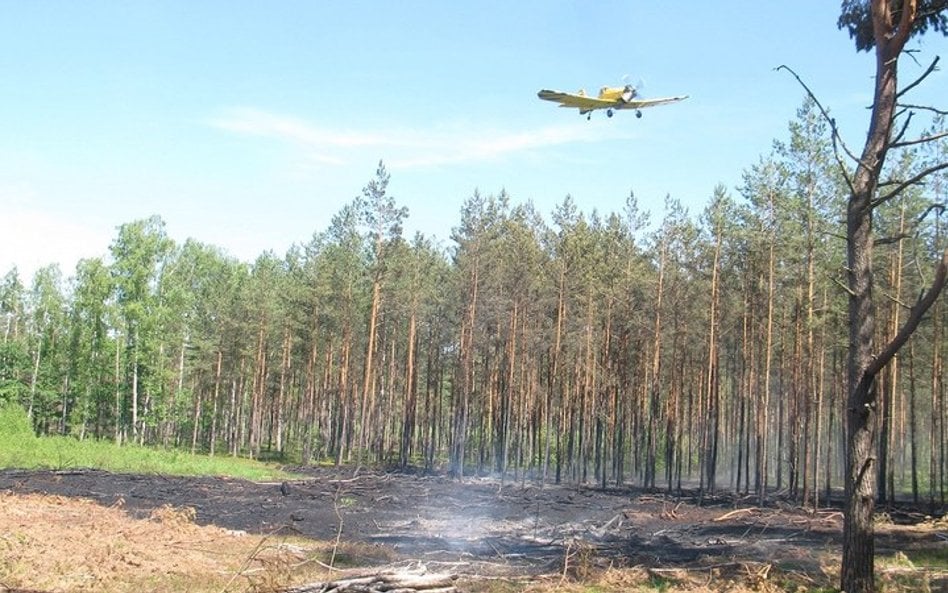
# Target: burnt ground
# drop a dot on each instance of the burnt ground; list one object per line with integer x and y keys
{"x": 480, "y": 525}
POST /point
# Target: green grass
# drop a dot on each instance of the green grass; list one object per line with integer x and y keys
{"x": 934, "y": 558}
{"x": 20, "y": 448}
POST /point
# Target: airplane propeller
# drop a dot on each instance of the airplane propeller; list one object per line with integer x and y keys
{"x": 631, "y": 89}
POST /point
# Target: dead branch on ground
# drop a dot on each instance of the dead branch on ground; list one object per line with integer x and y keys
{"x": 672, "y": 514}
{"x": 727, "y": 516}
{"x": 386, "y": 581}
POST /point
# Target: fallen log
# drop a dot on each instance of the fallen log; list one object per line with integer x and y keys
{"x": 384, "y": 582}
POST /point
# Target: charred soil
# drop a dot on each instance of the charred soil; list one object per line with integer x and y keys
{"x": 485, "y": 527}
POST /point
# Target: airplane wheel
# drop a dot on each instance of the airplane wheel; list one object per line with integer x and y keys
{"x": 638, "y": 114}
{"x": 609, "y": 112}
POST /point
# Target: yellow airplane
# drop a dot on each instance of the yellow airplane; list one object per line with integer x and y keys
{"x": 610, "y": 99}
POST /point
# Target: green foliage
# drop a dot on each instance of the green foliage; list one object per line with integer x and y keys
{"x": 15, "y": 425}
{"x": 14, "y": 367}
{"x": 660, "y": 583}
{"x": 924, "y": 558}
{"x": 855, "y": 17}
{"x": 17, "y": 440}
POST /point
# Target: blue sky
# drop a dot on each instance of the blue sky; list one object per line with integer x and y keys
{"x": 247, "y": 125}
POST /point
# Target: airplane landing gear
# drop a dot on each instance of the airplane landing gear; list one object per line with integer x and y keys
{"x": 638, "y": 113}
{"x": 609, "y": 112}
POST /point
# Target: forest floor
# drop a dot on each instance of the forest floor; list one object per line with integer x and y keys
{"x": 74, "y": 530}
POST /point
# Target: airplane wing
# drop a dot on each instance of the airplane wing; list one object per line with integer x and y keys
{"x": 643, "y": 103}
{"x": 581, "y": 102}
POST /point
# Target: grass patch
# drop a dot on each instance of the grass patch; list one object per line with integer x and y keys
{"x": 924, "y": 558}
{"x": 911, "y": 570}
{"x": 935, "y": 558}
{"x": 20, "y": 448}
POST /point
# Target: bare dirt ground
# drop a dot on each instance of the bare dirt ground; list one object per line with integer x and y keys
{"x": 475, "y": 527}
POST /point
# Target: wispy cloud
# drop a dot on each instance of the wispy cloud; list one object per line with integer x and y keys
{"x": 410, "y": 147}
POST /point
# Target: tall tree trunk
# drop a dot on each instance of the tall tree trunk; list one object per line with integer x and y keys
{"x": 368, "y": 380}
{"x": 555, "y": 392}
{"x": 818, "y": 424}
{"x": 170, "y": 437}
{"x": 764, "y": 405}
{"x": 654, "y": 378}
{"x": 345, "y": 397}
{"x": 281, "y": 394}
{"x": 34, "y": 379}
{"x": 217, "y": 391}
{"x": 913, "y": 424}
{"x": 711, "y": 375}
{"x": 135, "y": 387}
{"x": 258, "y": 389}
{"x": 117, "y": 377}
{"x": 864, "y": 363}
{"x": 466, "y": 360}
{"x": 408, "y": 421}
{"x": 196, "y": 418}
{"x": 937, "y": 433}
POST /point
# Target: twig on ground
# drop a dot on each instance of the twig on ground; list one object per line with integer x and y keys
{"x": 565, "y": 562}
{"x": 335, "y": 545}
{"x": 246, "y": 564}
{"x": 733, "y": 513}
{"x": 672, "y": 514}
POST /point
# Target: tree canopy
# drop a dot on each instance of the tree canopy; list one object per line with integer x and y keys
{"x": 856, "y": 18}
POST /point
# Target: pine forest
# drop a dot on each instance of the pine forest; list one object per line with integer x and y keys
{"x": 669, "y": 350}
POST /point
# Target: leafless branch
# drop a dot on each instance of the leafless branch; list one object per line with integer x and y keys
{"x": 923, "y": 108}
{"x": 911, "y": 53}
{"x": 931, "y": 68}
{"x": 848, "y": 290}
{"x": 901, "y": 134}
{"x": 921, "y": 140}
{"x": 896, "y": 300}
{"x": 890, "y": 240}
{"x": 936, "y": 206}
{"x": 833, "y": 235}
{"x": 839, "y": 160}
{"x": 914, "y": 228}
{"x": 837, "y": 139}
{"x": 907, "y": 183}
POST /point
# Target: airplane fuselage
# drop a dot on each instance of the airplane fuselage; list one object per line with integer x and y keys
{"x": 613, "y": 94}
{"x": 616, "y": 94}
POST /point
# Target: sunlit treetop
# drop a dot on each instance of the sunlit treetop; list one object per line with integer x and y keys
{"x": 855, "y": 18}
